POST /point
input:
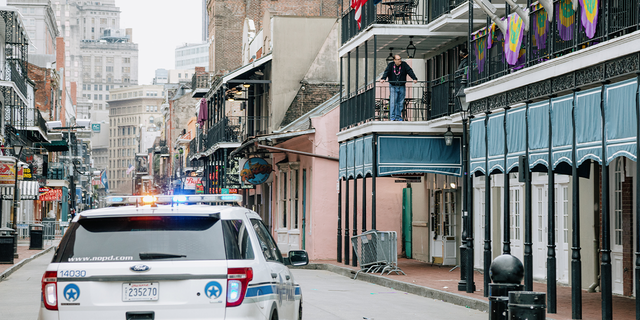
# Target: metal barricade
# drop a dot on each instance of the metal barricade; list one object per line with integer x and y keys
{"x": 377, "y": 251}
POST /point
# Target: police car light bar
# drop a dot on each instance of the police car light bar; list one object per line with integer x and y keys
{"x": 175, "y": 199}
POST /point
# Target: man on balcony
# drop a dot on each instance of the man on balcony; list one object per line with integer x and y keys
{"x": 396, "y": 73}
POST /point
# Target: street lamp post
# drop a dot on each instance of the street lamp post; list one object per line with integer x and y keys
{"x": 466, "y": 249}
{"x": 17, "y": 149}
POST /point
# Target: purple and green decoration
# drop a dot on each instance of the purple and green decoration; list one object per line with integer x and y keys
{"x": 514, "y": 40}
{"x": 589, "y": 16}
{"x": 566, "y": 20}
{"x": 540, "y": 26}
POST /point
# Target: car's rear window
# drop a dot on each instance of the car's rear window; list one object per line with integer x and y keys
{"x": 144, "y": 238}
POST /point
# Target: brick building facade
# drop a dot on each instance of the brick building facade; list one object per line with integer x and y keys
{"x": 227, "y": 17}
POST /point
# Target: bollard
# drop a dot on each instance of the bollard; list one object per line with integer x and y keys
{"x": 527, "y": 305}
{"x": 506, "y": 272}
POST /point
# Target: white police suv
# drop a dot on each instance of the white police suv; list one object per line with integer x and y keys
{"x": 159, "y": 258}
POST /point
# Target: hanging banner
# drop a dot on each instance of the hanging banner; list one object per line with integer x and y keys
{"x": 589, "y": 16}
{"x": 565, "y": 19}
{"x": 514, "y": 41}
{"x": 7, "y": 173}
{"x": 481, "y": 50}
{"x": 540, "y": 26}
{"x": 51, "y": 195}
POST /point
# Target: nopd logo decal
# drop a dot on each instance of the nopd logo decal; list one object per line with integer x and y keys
{"x": 71, "y": 292}
{"x": 213, "y": 290}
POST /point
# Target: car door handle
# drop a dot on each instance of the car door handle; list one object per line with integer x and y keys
{"x": 288, "y": 277}
{"x": 274, "y": 275}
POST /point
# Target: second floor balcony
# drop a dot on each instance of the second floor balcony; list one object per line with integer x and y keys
{"x": 424, "y": 101}
{"x": 236, "y": 129}
{"x": 548, "y": 40}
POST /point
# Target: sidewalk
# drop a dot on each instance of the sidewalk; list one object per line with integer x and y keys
{"x": 438, "y": 282}
{"x": 24, "y": 256}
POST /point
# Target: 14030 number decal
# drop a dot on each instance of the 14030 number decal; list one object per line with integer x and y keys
{"x": 72, "y": 273}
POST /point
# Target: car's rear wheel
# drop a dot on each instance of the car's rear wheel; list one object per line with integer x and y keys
{"x": 274, "y": 315}
{"x": 300, "y": 311}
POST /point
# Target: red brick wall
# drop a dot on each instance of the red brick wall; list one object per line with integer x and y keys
{"x": 59, "y": 65}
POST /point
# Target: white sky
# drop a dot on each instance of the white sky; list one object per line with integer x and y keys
{"x": 159, "y": 26}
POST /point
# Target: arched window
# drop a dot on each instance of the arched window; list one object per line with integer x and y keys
{"x": 151, "y": 120}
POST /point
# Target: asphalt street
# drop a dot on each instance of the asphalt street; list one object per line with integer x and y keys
{"x": 20, "y": 292}
{"x": 327, "y": 295}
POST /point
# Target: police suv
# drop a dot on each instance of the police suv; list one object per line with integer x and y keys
{"x": 159, "y": 258}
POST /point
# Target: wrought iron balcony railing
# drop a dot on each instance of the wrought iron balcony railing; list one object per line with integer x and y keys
{"x": 424, "y": 100}
{"x": 394, "y": 12}
{"x": 550, "y": 40}
{"x": 236, "y": 129}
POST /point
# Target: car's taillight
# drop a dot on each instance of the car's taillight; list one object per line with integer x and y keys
{"x": 50, "y": 290}
{"x": 237, "y": 282}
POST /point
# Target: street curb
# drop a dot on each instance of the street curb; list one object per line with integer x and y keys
{"x": 444, "y": 296}
{"x": 18, "y": 265}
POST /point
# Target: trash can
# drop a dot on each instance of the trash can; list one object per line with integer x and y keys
{"x": 527, "y": 305}
{"x": 36, "y": 237}
{"x": 6, "y": 245}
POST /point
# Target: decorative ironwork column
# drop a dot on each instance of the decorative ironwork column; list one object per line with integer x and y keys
{"x": 487, "y": 211}
{"x": 605, "y": 266}
{"x": 576, "y": 264}
{"x": 528, "y": 243}
{"x": 354, "y": 261}
{"x": 637, "y": 262}
{"x": 551, "y": 215}
{"x": 506, "y": 244}
{"x": 346, "y": 221}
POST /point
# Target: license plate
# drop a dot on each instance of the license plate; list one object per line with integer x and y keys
{"x": 140, "y": 291}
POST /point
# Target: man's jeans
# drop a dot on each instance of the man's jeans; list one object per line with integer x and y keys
{"x": 396, "y": 99}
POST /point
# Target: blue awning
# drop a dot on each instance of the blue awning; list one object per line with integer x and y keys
{"x": 418, "y": 154}
{"x": 538, "y": 134}
{"x": 588, "y": 126}
{"x": 516, "y": 136}
{"x": 495, "y": 134}
{"x": 351, "y": 159}
{"x": 562, "y": 129}
{"x": 477, "y": 146}
{"x": 359, "y": 157}
{"x": 342, "y": 167}
{"x": 620, "y": 119}
{"x": 368, "y": 155}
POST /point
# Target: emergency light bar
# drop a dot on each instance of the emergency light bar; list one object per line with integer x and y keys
{"x": 175, "y": 199}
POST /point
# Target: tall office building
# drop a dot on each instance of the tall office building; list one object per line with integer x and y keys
{"x": 99, "y": 56}
{"x": 135, "y": 120}
{"x": 190, "y": 56}
{"x": 205, "y": 22}
{"x": 40, "y": 23}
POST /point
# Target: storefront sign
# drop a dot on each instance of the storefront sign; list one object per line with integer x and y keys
{"x": 199, "y": 187}
{"x": 190, "y": 182}
{"x": 7, "y": 174}
{"x": 255, "y": 171}
{"x": 95, "y": 127}
{"x": 51, "y": 195}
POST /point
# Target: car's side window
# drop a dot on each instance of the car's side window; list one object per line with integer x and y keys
{"x": 236, "y": 239}
{"x": 267, "y": 244}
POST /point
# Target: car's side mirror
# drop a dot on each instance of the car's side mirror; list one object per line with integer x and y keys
{"x": 298, "y": 258}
